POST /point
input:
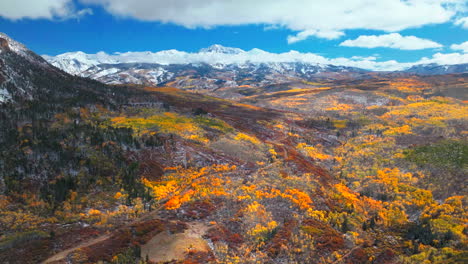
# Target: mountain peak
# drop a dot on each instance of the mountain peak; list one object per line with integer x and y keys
{"x": 19, "y": 66}
{"x": 216, "y": 48}
{"x": 8, "y": 44}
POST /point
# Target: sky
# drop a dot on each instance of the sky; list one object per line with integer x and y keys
{"x": 383, "y": 34}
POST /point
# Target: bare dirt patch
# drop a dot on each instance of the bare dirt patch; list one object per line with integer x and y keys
{"x": 166, "y": 246}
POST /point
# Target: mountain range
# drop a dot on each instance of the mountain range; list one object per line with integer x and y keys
{"x": 216, "y": 66}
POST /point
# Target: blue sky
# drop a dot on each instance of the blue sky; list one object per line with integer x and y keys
{"x": 56, "y": 26}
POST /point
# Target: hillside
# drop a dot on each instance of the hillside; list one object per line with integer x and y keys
{"x": 332, "y": 170}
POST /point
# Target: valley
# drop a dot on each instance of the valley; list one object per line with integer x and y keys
{"x": 235, "y": 164}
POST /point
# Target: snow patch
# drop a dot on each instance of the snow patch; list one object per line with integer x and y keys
{"x": 4, "y": 95}
{"x": 19, "y": 48}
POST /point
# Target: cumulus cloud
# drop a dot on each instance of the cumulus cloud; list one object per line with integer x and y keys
{"x": 392, "y": 40}
{"x": 445, "y": 59}
{"x": 462, "y": 46}
{"x": 327, "y": 19}
{"x": 318, "y": 33}
{"x": 320, "y": 18}
{"x": 463, "y": 22}
{"x": 48, "y": 9}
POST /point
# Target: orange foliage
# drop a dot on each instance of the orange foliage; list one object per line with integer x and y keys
{"x": 347, "y": 196}
{"x": 186, "y": 184}
{"x": 296, "y": 196}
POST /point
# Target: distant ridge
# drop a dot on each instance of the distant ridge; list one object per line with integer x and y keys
{"x": 435, "y": 69}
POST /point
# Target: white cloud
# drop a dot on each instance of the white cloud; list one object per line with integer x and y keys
{"x": 320, "y": 18}
{"x": 463, "y": 22}
{"x": 447, "y": 58}
{"x": 81, "y": 13}
{"x": 327, "y": 19}
{"x": 392, "y": 40}
{"x": 392, "y": 65}
{"x": 372, "y": 58}
{"x": 48, "y": 9}
{"x": 462, "y": 46}
{"x": 317, "y": 33}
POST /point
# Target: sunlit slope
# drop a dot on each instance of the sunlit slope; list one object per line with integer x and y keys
{"x": 327, "y": 181}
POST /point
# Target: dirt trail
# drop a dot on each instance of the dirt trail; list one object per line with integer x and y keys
{"x": 166, "y": 247}
{"x": 63, "y": 254}
{"x": 191, "y": 234}
{"x": 161, "y": 248}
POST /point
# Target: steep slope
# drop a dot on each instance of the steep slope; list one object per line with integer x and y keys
{"x": 13, "y": 80}
{"x": 25, "y": 76}
{"x": 34, "y": 94}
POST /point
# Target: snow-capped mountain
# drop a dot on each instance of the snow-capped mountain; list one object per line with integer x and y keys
{"x": 216, "y": 62}
{"x": 9, "y": 44}
{"x": 28, "y": 77}
{"x": 216, "y": 48}
{"x": 16, "y": 62}
{"x": 214, "y": 67}
{"x": 77, "y": 62}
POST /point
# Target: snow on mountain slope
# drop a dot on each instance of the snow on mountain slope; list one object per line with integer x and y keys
{"x": 13, "y": 80}
{"x": 216, "y": 48}
{"x": 4, "y": 95}
{"x": 27, "y": 77}
{"x": 216, "y": 64}
{"x": 77, "y": 62}
{"x": 15, "y": 46}
{"x": 215, "y": 55}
